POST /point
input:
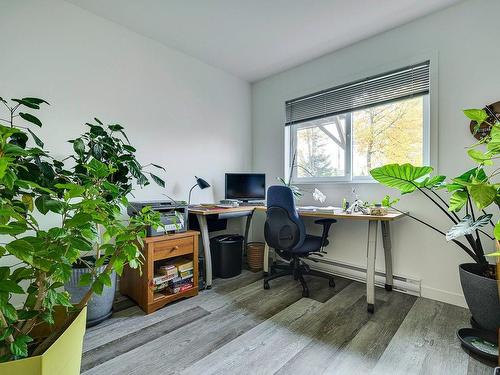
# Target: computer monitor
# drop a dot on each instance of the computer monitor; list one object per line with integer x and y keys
{"x": 246, "y": 186}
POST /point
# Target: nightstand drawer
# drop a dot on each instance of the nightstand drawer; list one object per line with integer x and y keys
{"x": 173, "y": 248}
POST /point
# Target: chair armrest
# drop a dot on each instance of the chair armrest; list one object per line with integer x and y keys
{"x": 326, "y": 228}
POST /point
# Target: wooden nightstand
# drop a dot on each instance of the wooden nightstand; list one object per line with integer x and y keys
{"x": 141, "y": 289}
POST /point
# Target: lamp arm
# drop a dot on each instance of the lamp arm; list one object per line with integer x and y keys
{"x": 190, "y": 191}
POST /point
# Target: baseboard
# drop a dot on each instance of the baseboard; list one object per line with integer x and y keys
{"x": 350, "y": 271}
{"x": 444, "y": 296}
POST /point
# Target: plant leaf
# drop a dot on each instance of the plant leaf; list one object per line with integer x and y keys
{"x": 157, "y": 179}
{"x": 30, "y": 118}
{"x": 457, "y": 200}
{"x": 482, "y": 194}
{"x": 400, "y": 176}
{"x": 477, "y": 115}
{"x": 466, "y": 226}
{"x": 37, "y": 140}
{"x": 480, "y": 157}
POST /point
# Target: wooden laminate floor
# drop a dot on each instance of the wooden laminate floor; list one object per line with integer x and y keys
{"x": 237, "y": 327}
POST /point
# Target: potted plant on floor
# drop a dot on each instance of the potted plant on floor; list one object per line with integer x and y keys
{"x": 41, "y": 331}
{"x": 109, "y": 145}
{"x": 471, "y": 195}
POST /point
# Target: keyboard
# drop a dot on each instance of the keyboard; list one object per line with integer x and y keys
{"x": 252, "y": 204}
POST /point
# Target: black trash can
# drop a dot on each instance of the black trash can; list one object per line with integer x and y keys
{"x": 227, "y": 255}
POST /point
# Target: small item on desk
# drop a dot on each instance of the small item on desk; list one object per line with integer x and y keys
{"x": 229, "y": 203}
{"x": 358, "y": 207}
{"x": 378, "y": 210}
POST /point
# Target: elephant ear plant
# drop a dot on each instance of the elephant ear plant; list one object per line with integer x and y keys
{"x": 37, "y": 259}
{"x": 470, "y": 195}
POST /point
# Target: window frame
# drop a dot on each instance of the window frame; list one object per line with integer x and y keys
{"x": 291, "y": 144}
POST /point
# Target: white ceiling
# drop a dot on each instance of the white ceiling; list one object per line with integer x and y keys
{"x": 253, "y": 39}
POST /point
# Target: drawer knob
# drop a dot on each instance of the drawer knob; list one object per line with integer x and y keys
{"x": 176, "y": 247}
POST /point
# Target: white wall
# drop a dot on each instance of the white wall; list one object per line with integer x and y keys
{"x": 181, "y": 113}
{"x": 463, "y": 43}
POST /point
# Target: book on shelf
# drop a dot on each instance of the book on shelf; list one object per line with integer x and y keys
{"x": 168, "y": 269}
{"x": 186, "y": 274}
{"x": 159, "y": 279}
{"x": 182, "y": 264}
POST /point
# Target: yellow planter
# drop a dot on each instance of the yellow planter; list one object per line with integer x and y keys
{"x": 63, "y": 357}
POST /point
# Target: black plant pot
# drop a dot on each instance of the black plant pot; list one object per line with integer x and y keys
{"x": 481, "y": 295}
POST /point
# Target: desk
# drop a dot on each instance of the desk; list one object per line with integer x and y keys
{"x": 371, "y": 246}
{"x": 223, "y": 213}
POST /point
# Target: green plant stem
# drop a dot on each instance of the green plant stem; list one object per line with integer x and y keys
{"x": 460, "y": 244}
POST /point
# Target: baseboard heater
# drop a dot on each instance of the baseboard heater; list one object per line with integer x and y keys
{"x": 353, "y": 272}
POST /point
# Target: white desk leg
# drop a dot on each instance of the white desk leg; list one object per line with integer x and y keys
{"x": 266, "y": 258}
{"x": 202, "y": 220}
{"x": 371, "y": 252}
{"x": 386, "y": 238}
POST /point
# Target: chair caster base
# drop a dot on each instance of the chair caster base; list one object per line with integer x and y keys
{"x": 208, "y": 287}
{"x": 388, "y": 287}
{"x": 266, "y": 285}
{"x": 370, "y": 308}
{"x": 331, "y": 283}
{"x": 265, "y": 274}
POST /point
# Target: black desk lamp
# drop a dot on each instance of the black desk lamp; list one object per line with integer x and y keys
{"x": 201, "y": 183}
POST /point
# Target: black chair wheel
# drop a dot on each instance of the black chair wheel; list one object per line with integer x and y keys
{"x": 388, "y": 287}
{"x": 331, "y": 282}
{"x": 371, "y": 308}
{"x": 266, "y": 285}
{"x": 305, "y": 293}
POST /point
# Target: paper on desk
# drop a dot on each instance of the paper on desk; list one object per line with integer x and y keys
{"x": 318, "y": 209}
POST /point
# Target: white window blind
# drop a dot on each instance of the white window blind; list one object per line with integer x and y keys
{"x": 404, "y": 83}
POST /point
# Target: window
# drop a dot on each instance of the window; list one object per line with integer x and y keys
{"x": 342, "y": 133}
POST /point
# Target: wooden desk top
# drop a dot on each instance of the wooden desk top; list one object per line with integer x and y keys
{"x": 198, "y": 210}
{"x": 316, "y": 214}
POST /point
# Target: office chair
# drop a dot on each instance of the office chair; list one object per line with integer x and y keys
{"x": 285, "y": 232}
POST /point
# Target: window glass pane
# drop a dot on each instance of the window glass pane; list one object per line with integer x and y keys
{"x": 391, "y": 133}
{"x": 321, "y": 148}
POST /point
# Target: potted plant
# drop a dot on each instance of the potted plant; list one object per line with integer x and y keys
{"x": 41, "y": 331}
{"x": 109, "y": 145}
{"x": 471, "y": 195}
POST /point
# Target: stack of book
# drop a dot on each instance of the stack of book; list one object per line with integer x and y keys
{"x": 175, "y": 276}
{"x": 184, "y": 280}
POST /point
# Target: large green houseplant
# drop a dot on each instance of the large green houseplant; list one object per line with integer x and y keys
{"x": 470, "y": 196}
{"x": 36, "y": 259}
{"x": 110, "y": 145}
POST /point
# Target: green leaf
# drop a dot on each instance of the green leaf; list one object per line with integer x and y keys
{"x": 26, "y": 103}
{"x": 480, "y": 157}
{"x": 79, "y": 146}
{"x": 497, "y": 230}
{"x": 10, "y": 287}
{"x": 37, "y": 140}
{"x": 157, "y": 179}
{"x": 98, "y": 168}
{"x": 403, "y": 177}
{"x": 4, "y": 273}
{"x": 20, "y": 345}
{"x": 45, "y": 204}
{"x": 30, "y": 118}
{"x": 9, "y": 311}
{"x": 105, "y": 278}
{"x": 78, "y": 219}
{"x": 477, "y": 115}
{"x": 482, "y": 194}
{"x": 432, "y": 182}
{"x": 98, "y": 286}
{"x": 158, "y": 166}
{"x": 35, "y": 100}
{"x": 21, "y": 249}
{"x": 81, "y": 244}
{"x": 86, "y": 279}
{"x": 118, "y": 266}
{"x": 457, "y": 200}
